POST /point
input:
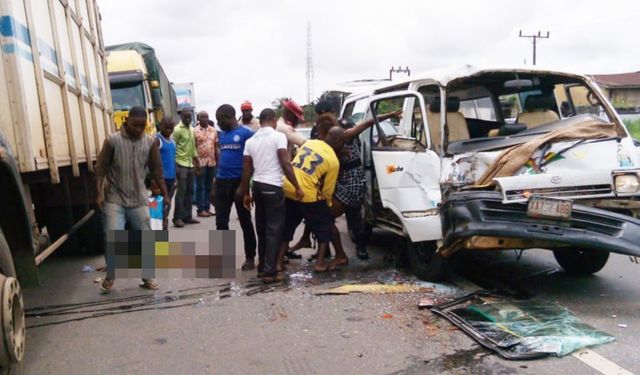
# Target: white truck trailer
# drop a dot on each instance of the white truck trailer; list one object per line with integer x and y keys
{"x": 55, "y": 112}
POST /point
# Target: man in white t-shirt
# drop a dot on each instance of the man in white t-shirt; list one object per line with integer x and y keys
{"x": 267, "y": 160}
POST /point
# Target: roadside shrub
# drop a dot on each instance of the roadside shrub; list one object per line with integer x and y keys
{"x": 634, "y": 127}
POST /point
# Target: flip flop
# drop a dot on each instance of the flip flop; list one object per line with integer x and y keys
{"x": 273, "y": 279}
{"x": 336, "y": 265}
{"x": 106, "y": 285}
{"x": 150, "y": 284}
{"x": 321, "y": 270}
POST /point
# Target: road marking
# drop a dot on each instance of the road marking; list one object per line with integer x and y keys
{"x": 600, "y": 363}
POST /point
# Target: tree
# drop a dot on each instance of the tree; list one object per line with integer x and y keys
{"x": 309, "y": 109}
{"x": 276, "y": 104}
{"x": 309, "y": 113}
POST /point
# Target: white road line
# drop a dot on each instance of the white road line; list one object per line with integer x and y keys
{"x": 600, "y": 363}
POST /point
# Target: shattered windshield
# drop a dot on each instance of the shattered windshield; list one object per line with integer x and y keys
{"x": 507, "y": 103}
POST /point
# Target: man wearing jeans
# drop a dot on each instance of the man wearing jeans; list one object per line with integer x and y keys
{"x": 186, "y": 159}
{"x": 120, "y": 172}
{"x": 266, "y": 159}
{"x": 206, "y": 144}
{"x": 232, "y": 138}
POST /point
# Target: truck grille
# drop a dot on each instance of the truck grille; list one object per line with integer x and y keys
{"x": 561, "y": 192}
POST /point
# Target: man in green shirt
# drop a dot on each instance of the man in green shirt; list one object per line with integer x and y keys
{"x": 186, "y": 161}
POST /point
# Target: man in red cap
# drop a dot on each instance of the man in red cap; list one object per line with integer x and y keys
{"x": 287, "y": 124}
{"x": 247, "y": 118}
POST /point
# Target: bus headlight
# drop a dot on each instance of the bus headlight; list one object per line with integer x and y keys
{"x": 627, "y": 184}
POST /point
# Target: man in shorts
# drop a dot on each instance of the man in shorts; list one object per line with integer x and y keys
{"x": 350, "y": 187}
{"x": 316, "y": 168}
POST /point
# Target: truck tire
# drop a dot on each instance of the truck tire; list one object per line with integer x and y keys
{"x": 425, "y": 262}
{"x": 581, "y": 262}
{"x": 12, "y": 320}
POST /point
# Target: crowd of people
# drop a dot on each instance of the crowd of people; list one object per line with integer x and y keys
{"x": 246, "y": 162}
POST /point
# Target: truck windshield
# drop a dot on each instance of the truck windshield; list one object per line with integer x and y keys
{"x": 126, "y": 96}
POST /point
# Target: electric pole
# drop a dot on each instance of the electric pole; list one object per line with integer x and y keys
{"x": 535, "y": 38}
{"x": 399, "y": 70}
{"x": 309, "y": 65}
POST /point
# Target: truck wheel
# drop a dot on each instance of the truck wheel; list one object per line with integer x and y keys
{"x": 425, "y": 262}
{"x": 12, "y": 321}
{"x": 581, "y": 262}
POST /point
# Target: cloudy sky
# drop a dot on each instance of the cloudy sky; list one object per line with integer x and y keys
{"x": 234, "y": 50}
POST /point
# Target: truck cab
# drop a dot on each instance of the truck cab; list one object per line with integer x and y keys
{"x": 130, "y": 86}
{"x": 491, "y": 159}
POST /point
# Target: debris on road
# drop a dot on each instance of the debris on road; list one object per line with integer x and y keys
{"x": 374, "y": 289}
{"x": 426, "y": 303}
{"x": 623, "y": 325}
{"x": 520, "y": 329}
{"x": 87, "y": 268}
{"x": 387, "y": 316}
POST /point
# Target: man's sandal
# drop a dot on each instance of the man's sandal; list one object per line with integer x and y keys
{"x": 150, "y": 284}
{"x": 106, "y": 285}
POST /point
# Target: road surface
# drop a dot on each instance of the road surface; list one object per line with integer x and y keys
{"x": 211, "y": 327}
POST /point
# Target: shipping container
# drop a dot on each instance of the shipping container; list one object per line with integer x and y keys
{"x": 56, "y": 113}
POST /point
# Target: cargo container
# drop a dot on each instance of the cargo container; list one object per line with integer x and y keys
{"x": 56, "y": 113}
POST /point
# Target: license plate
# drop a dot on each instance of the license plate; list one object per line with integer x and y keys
{"x": 549, "y": 208}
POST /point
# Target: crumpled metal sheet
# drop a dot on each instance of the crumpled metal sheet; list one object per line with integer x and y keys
{"x": 374, "y": 289}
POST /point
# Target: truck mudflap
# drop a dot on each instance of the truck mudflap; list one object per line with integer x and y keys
{"x": 478, "y": 220}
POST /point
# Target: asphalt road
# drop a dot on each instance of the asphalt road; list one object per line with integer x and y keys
{"x": 206, "y": 327}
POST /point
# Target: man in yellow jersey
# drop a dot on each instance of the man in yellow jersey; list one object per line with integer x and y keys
{"x": 316, "y": 168}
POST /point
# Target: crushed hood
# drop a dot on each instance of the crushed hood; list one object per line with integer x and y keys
{"x": 509, "y": 161}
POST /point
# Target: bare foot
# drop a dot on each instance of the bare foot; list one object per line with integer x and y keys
{"x": 321, "y": 268}
{"x": 281, "y": 267}
{"x": 302, "y": 244}
{"x": 336, "y": 263}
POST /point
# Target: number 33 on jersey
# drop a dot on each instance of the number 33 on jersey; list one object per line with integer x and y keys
{"x": 316, "y": 167}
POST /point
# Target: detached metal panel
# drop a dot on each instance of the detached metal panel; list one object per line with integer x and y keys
{"x": 55, "y": 83}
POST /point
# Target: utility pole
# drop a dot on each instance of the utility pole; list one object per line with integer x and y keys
{"x": 535, "y": 38}
{"x": 399, "y": 70}
{"x": 309, "y": 65}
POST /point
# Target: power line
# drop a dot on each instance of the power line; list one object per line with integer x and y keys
{"x": 535, "y": 38}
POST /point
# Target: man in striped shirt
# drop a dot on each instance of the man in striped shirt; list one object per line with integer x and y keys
{"x": 120, "y": 172}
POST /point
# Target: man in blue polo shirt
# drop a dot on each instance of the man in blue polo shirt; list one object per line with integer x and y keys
{"x": 232, "y": 139}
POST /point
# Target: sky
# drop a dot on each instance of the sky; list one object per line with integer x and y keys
{"x": 235, "y": 50}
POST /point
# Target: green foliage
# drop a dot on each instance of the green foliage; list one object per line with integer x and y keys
{"x": 634, "y": 127}
{"x": 389, "y": 105}
{"x": 309, "y": 109}
{"x": 620, "y": 102}
{"x": 276, "y": 104}
{"x": 309, "y": 113}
